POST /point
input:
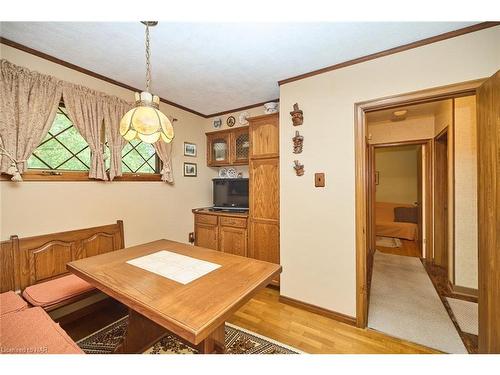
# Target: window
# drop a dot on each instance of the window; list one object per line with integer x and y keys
{"x": 64, "y": 149}
{"x": 139, "y": 157}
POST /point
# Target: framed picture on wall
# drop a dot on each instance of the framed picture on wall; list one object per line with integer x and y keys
{"x": 190, "y": 170}
{"x": 189, "y": 149}
{"x": 377, "y": 177}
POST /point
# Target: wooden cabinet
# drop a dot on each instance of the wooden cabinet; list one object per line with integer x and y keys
{"x": 233, "y": 240}
{"x": 264, "y": 136}
{"x": 221, "y": 231}
{"x": 264, "y": 236}
{"x": 228, "y": 147}
{"x": 206, "y": 231}
{"x": 218, "y": 144}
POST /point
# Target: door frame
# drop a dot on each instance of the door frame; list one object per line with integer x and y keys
{"x": 361, "y": 175}
{"x": 426, "y": 185}
{"x": 450, "y": 203}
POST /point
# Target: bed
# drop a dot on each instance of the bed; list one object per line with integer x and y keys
{"x": 386, "y": 226}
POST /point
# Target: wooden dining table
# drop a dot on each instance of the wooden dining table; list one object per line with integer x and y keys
{"x": 193, "y": 311}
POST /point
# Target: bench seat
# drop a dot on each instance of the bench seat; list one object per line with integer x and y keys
{"x": 32, "y": 331}
{"x": 11, "y": 302}
{"x": 55, "y": 291}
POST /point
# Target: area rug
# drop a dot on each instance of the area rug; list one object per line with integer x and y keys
{"x": 238, "y": 341}
{"x": 466, "y": 313}
{"x": 387, "y": 242}
{"x": 404, "y": 304}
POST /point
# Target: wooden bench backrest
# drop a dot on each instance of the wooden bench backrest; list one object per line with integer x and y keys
{"x": 31, "y": 260}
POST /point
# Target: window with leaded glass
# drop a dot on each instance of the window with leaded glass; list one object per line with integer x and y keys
{"x": 139, "y": 157}
{"x": 64, "y": 149}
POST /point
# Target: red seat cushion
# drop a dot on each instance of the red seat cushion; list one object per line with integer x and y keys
{"x": 11, "y": 302}
{"x": 31, "y": 331}
{"x": 57, "y": 290}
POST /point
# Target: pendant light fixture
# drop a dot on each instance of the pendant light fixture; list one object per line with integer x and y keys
{"x": 145, "y": 121}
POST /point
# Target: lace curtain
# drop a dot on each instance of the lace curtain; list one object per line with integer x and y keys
{"x": 28, "y": 105}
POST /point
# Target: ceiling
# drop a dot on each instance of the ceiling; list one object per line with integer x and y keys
{"x": 413, "y": 111}
{"x": 215, "y": 67}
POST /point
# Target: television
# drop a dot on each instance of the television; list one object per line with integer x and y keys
{"x": 230, "y": 193}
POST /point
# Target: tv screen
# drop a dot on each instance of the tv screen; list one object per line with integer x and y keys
{"x": 231, "y": 193}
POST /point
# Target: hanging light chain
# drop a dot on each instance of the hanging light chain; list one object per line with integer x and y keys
{"x": 148, "y": 61}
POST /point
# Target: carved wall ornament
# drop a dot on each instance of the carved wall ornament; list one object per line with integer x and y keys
{"x": 299, "y": 168}
{"x": 297, "y": 115}
{"x": 298, "y": 142}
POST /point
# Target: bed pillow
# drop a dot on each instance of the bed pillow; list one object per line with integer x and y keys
{"x": 406, "y": 215}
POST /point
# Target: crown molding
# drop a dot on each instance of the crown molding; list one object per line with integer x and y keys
{"x": 242, "y": 108}
{"x": 420, "y": 43}
{"x": 391, "y": 51}
{"x": 80, "y": 69}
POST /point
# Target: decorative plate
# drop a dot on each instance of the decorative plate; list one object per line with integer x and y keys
{"x": 217, "y": 123}
{"x": 231, "y": 173}
{"x": 242, "y": 118}
{"x": 223, "y": 173}
{"x": 230, "y": 121}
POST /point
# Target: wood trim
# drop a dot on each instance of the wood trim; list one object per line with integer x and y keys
{"x": 91, "y": 73}
{"x": 416, "y": 97}
{"x": 423, "y": 141}
{"x": 319, "y": 310}
{"x": 462, "y": 290}
{"x": 68, "y": 176}
{"x": 241, "y": 108}
{"x": 391, "y": 51}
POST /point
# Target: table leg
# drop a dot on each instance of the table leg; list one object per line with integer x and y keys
{"x": 214, "y": 343}
{"x": 141, "y": 334}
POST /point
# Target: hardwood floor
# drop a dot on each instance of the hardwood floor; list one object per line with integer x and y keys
{"x": 265, "y": 315}
{"x": 408, "y": 248}
{"x": 313, "y": 333}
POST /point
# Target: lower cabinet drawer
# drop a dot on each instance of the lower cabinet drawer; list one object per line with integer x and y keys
{"x": 236, "y": 222}
{"x": 205, "y": 219}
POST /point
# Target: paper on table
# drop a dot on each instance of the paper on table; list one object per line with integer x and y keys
{"x": 177, "y": 267}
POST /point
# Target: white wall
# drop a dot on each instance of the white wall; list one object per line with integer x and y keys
{"x": 466, "y": 262}
{"x": 398, "y": 174}
{"x": 318, "y": 224}
{"x": 150, "y": 210}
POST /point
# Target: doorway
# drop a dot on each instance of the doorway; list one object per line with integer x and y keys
{"x": 484, "y": 90}
{"x": 400, "y": 187}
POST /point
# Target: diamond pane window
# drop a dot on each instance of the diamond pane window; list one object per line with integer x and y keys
{"x": 63, "y": 148}
{"x": 139, "y": 157}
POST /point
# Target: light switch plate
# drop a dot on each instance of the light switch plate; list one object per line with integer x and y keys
{"x": 319, "y": 179}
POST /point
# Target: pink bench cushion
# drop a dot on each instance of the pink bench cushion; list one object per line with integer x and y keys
{"x": 11, "y": 302}
{"x": 57, "y": 290}
{"x": 32, "y": 331}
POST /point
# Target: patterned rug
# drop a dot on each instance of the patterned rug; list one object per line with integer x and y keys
{"x": 238, "y": 341}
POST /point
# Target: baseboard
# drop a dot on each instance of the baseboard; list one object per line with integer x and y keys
{"x": 469, "y": 292}
{"x": 319, "y": 310}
